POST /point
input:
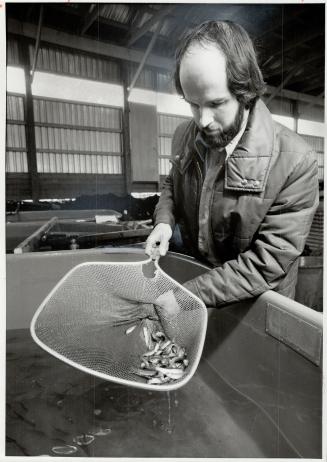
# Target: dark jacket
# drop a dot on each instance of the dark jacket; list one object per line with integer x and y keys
{"x": 250, "y": 217}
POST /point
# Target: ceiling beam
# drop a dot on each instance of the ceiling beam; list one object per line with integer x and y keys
{"x": 308, "y": 58}
{"x": 313, "y": 86}
{"x": 291, "y": 44}
{"x": 321, "y": 95}
{"x": 112, "y": 51}
{"x": 310, "y": 76}
{"x": 91, "y": 17}
{"x": 87, "y": 44}
{"x": 290, "y": 47}
{"x": 296, "y": 96}
{"x": 139, "y": 32}
{"x": 284, "y": 82}
{"x": 276, "y": 25}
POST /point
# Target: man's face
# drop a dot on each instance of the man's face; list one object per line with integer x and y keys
{"x": 215, "y": 110}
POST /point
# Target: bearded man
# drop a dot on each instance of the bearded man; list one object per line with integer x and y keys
{"x": 243, "y": 188}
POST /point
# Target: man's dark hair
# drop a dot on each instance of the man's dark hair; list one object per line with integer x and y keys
{"x": 244, "y": 76}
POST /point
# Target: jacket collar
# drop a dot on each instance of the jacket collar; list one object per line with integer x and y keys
{"x": 247, "y": 167}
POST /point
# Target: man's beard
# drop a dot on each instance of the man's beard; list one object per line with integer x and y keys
{"x": 222, "y": 139}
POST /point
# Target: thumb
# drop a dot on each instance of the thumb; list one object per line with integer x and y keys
{"x": 164, "y": 245}
{"x": 150, "y": 243}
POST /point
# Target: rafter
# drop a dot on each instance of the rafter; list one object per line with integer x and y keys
{"x": 284, "y": 82}
{"x": 319, "y": 97}
{"x": 296, "y": 96}
{"x": 138, "y": 33}
{"x": 90, "y": 18}
{"x": 290, "y": 45}
{"x": 275, "y": 27}
{"x": 313, "y": 86}
{"x": 310, "y": 76}
{"x": 308, "y": 58}
{"x": 86, "y": 44}
{"x": 37, "y": 43}
{"x": 146, "y": 54}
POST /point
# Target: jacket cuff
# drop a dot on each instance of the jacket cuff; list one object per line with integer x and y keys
{"x": 192, "y": 287}
{"x": 166, "y": 221}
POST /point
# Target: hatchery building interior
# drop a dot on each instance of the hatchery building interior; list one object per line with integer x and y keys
{"x": 107, "y": 140}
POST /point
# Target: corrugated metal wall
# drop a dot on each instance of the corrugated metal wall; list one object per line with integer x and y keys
{"x": 57, "y": 60}
{"x": 77, "y": 138}
{"x": 16, "y": 155}
{"x": 165, "y": 82}
{"x": 146, "y": 79}
{"x": 280, "y": 106}
{"x": 87, "y": 139}
{"x": 311, "y": 112}
{"x": 166, "y": 127}
{"x": 317, "y": 145}
{"x": 12, "y": 52}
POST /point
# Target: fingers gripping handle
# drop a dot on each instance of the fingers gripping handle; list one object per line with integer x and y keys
{"x": 158, "y": 242}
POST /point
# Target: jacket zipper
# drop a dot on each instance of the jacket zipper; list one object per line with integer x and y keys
{"x": 200, "y": 182}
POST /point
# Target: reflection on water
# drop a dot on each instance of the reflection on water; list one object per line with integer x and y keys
{"x": 53, "y": 408}
{"x": 64, "y": 450}
{"x": 83, "y": 440}
{"x": 103, "y": 432}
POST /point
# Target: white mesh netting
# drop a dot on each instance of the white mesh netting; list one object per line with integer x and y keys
{"x": 84, "y": 319}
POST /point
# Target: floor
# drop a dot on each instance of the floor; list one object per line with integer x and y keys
{"x": 51, "y": 405}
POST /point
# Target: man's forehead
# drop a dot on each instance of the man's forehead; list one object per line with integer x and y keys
{"x": 203, "y": 58}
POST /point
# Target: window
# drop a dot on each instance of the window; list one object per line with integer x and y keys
{"x": 77, "y": 138}
{"x": 166, "y": 127}
{"x": 16, "y": 155}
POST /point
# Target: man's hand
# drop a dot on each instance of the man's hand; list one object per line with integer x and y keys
{"x": 160, "y": 235}
{"x": 167, "y": 305}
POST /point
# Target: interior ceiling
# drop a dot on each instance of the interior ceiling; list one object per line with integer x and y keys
{"x": 289, "y": 38}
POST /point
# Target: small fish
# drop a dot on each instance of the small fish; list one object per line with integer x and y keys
{"x": 181, "y": 352}
{"x": 158, "y": 335}
{"x": 83, "y": 440}
{"x": 171, "y": 373}
{"x": 145, "y": 372}
{"x": 166, "y": 379}
{"x": 130, "y": 330}
{"x": 152, "y": 352}
{"x": 155, "y": 381}
{"x": 146, "y": 334}
{"x": 174, "y": 348}
{"x": 165, "y": 344}
{"x": 145, "y": 363}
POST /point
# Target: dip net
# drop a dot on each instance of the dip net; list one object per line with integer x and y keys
{"x": 97, "y": 317}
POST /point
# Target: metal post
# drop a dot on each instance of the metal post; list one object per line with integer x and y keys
{"x": 126, "y": 133}
{"x": 37, "y": 44}
{"x": 29, "y": 119}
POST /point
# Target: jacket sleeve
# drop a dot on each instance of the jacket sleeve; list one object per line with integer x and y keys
{"x": 279, "y": 240}
{"x": 165, "y": 211}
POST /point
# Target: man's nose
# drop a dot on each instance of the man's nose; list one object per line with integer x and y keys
{"x": 205, "y": 117}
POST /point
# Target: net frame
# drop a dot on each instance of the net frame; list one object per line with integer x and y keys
{"x": 158, "y": 270}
